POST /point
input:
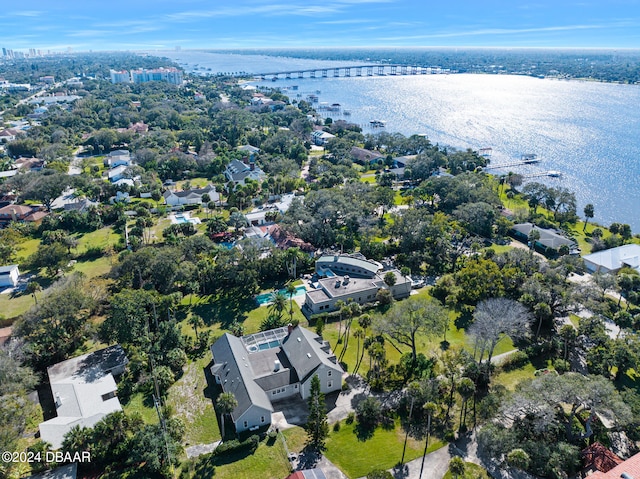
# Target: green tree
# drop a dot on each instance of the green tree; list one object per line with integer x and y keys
{"x": 588, "y": 214}
{"x": 225, "y": 404}
{"x": 390, "y": 278}
{"x": 317, "y": 426}
{"x": 32, "y": 288}
{"x": 457, "y": 467}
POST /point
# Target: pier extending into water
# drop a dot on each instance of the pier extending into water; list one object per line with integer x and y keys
{"x": 355, "y": 71}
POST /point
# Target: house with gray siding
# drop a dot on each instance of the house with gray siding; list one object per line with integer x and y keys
{"x": 263, "y": 368}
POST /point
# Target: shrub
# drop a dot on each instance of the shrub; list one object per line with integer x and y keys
{"x": 561, "y": 366}
{"x": 368, "y": 412}
{"x": 336, "y": 427}
{"x": 351, "y": 417}
{"x": 515, "y": 361}
{"x": 233, "y": 446}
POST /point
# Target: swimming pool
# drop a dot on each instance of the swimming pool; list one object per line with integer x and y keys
{"x": 266, "y": 298}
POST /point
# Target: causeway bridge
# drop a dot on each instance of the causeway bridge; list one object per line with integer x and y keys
{"x": 354, "y": 71}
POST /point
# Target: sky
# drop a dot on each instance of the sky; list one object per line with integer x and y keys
{"x": 165, "y": 24}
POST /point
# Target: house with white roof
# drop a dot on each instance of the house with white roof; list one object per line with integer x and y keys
{"x": 613, "y": 259}
{"x": 320, "y": 137}
{"x": 84, "y": 391}
{"x": 190, "y": 197}
{"x": 262, "y": 368}
{"x": 118, "y": 158}
{"x": 350, "y": 278}
{"x": 9, "y": 276}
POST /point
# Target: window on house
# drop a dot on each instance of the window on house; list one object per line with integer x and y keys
{"x": 273, "y": 392}
{"x": 262, "y": 419}
{"x": 330, "y": 384}
{"x": 329, "y": 373}
{"x": 246, "y": 424}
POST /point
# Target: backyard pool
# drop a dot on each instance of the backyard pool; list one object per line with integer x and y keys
{"x": 266, "y": 298}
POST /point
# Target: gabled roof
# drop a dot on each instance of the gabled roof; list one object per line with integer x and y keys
{"x": 599, "y": 457}
{"x": 307, "y": 351}
{"x": 616, "y": 258}
{"x": 15, "y": 209}
{"x": 231, "y": 365}
{"x": 548, "y": 238}
{"x": 8, "y": 269}
{"x": 120, "y": 153}
{"x": 631, "y": 467}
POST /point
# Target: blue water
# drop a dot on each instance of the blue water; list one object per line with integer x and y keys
{"x": 588, "y": 131}
{"x": 265, "y": 298}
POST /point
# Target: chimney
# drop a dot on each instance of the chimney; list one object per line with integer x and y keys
{"x": 276, "y": 365}
{"x": 58, "y": 400}
{"x": 289, "y": 328}
{"x": 252, "y": 166}
{"x": 14, "y": 217}
{"x": 346, "y": 279}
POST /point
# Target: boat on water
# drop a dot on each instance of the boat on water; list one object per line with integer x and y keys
{"x": 529, "y": 158}
{"x": 346, "y": 112}
{"x": 554, "y": 174}
{"x": 378, "y": 123}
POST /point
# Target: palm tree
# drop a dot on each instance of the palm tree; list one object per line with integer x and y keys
{"x": 358, "y": 334}
{"x": 32, "y": 288}
{"x": 196, "y": 322}
{"x": 292, "y": 255}
{"x": 226, "y": 403}
{"x": 364, "y": 321}
{"x": 413, "y": 391}
{"x": 278, "y": 304}
{"x": 466, "y": 388}
{"x": 588, "y": 213}
{"x": 291, "y": 290}
{"x": 430, "y": 408}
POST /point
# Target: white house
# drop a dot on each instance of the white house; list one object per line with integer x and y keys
{"x": 117, "y": 173}
{"x": 613, "y": 259}
{"x": 84, "y": 392}
{"x": 321, "y": 138}
{"x": 262, "y": 368}
{"x": 9, "y": 276}
{"x": 118, "y": 158}
{"x": 190, "y": 197}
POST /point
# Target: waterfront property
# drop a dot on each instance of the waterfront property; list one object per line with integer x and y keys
{"x": 265, "y": 367}
{"x": 549, "y": 242}
{"x": 84, "y": 391}
{"x": 320, "y": 138}
{"x": 613, "y": 259}
{"x": 350, "y": 278}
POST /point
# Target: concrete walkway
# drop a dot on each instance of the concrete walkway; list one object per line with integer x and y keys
{"x": 200, "y": 449}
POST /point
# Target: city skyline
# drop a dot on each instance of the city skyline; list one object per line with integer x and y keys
{"x": 163, "y": 24}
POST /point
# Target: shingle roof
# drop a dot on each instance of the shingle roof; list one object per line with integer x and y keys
{"x": 631, "y": 466}
{"x": 306, "y": 352}
{"x": 599, "y": 457}
{"x": 548, "y": 238}
{"x": 236, "y": 376}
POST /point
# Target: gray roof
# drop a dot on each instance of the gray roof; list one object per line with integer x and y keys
{"x": 548, "y": 238}
{"x": 8, "y": 269}
{"x": 232, "y": 366}
{"x": 89, "y": 366}
{"x": 307, "y": 351}
{"x": 120, "y": 153}
{"x": 615, "y": 258}
{"x": 194, "y": 192}
{"x": 354, "y": 286}
{"x": 65, "y": 472}
{"x": 348, "y": 260}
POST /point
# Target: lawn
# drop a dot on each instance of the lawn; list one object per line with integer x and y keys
{"x": 471, "y": 471}
{"x": 12, "y": 307}
{"x": 98, "y": 239}
{"x": 269, "y": 461}
{"x": 511, "y": 379}
{"x": 139, "y": 404}
{"x": 190, "y": 399}
{"x": 357, "y": 456}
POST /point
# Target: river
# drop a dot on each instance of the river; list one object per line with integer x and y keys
{"x": 588, "y": 131}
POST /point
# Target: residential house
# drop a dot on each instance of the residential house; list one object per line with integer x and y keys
{"x": 118, "y": 158}
{"x": 239, "y": 172}
{"x": 20, "y": 213}
{"x": 321, "y": 138}
{"x": 9, "y": 134}
{"x": 613, "y": 259}
{"x": 597, "y": 457}
{"x": 252, "y": 150}
{"x": 117, "y": 173}
{"x": 265, "y": 367}
{"x": 80, "y": 205}
{"x": 9, "y": 276}
{"x": 350, "y": 278}
{"x": 366, "y": 157}
{"x": 190, "y": 197}
{"x": 30, "y": 164}
{"x": 84, "y": 391}
{"x": 628, "y": 469}
{"x": 550, "y": 241}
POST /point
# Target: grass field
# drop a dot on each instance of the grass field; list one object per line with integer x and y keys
{"x": 357, "y": 456}
{"x": 471, "y": 471}
{"x": 269, "y": 461}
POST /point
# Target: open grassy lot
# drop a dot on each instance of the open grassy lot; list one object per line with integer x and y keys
{"x": 358, "y": 454}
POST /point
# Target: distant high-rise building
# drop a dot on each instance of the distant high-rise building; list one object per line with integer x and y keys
{"x": 170, "y": 75}
{"x": 4, "y": 52}
{"x": 120, "y": 76}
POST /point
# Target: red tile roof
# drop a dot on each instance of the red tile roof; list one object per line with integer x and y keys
{"x": 598, "y": 457}
{"x": 296, "y": 475}
{"x": 631, "y": 466}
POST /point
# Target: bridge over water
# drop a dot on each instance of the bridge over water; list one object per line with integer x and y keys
{"x": 354, "y": 71}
